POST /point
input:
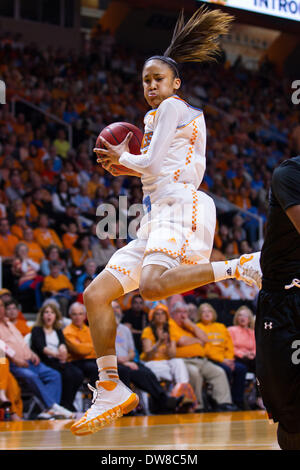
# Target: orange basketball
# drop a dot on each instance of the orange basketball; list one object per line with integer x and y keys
{"x": 116, "y": 132}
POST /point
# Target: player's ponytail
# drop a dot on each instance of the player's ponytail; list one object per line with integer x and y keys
{"x": 198, "y": 39}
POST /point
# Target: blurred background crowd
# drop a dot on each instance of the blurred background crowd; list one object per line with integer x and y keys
{"x": 51, "y": 187}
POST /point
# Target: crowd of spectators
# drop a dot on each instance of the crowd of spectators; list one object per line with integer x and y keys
{"x": 183, "y": 365}
{"x": 50, "y": 189}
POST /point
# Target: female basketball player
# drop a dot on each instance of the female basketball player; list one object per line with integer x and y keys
{"x": 173, "y": 246}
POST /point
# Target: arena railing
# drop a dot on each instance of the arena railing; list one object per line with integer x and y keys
{"x": 42, "y": 111}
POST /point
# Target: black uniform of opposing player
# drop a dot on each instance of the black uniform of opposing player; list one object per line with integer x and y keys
{"x": 277, "y": 326}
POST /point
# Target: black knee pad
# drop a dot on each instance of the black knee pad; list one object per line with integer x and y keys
{"x": 287, "y": 440}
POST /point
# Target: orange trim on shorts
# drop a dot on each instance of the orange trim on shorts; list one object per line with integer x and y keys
{"x": 120, "y": 269}
{"x": 173, "y": 254}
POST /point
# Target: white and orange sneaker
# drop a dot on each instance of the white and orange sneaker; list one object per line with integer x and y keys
{"x": 248, "y": 269}
{"x": 111, "y": 400}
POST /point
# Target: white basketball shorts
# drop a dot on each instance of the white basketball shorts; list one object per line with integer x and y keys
{"x": 178, "y": 228}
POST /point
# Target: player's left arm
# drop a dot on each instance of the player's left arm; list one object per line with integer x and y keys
{"x": 167, "y": 119}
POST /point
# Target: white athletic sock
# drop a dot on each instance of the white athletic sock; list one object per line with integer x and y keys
{"x": 107, "y": 368}
{"x": 224, "y": 269}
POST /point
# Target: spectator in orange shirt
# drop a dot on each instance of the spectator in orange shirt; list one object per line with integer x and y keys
{"x": 58, "y": 286}
{"x": 35, "y": 159}
{"x": 10, "y": 392}
{"x": 8, "y": 242}
{"x": 79, "y": 342}
{"x": 159, "y": 350}
{"x": 190, "y": 341}
{"x": 70, "y": 237}
{"x": 81, "y": 250}
{"x": 29, "y": 209}
{"x": 19, "y": 226}
{"x": 12, "y": 313}
{"x": 35, "y": 252}
{"x": 44, "y": 235}
{"x": 19, "y": 125}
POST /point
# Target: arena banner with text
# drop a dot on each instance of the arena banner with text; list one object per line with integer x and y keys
{"x": 286, "y": 9}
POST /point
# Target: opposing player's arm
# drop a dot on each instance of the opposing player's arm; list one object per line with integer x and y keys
{"x": 293, "y": 213}
{"x": 286, "y": 187}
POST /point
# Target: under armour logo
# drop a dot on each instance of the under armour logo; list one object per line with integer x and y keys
{"x": 268, "y": 326}
{"x": 229, "y": 272}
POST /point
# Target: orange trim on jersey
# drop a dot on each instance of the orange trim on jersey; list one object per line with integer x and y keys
{"x": 194, "y": 210}
{"x": 192, "y": 143}
{"x": 176, "y": 175}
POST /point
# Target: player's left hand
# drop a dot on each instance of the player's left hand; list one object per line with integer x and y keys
{"x": 111, "y": 154}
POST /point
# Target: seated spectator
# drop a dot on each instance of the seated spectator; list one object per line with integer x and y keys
{"x": 71, "y": 216}
{"x": 159, "y": 352}
{"x": 190, "y": 341}
{"x": 134, "y": 372}
{"x": 29, "y": 209}
{"x": 35, "y": 252}
{"x": 193, "y": 312}
{"x": 135, "y": 318}
{"x": 12, "y": 313}
{"x": 58, "y": 286}
{"x": 48, "y": 342}
{"x": 61, "y": 198}
{"x": 54, "y": 253}
{"x": 61, "y": 144}
{"x": 8, "y": 242}
{"x": 243, "y": 338}
{"x": 26, "y": 365}
{"x": 81, "y": 351}
{"x": 19, "y": 226}
{"x": 26, "y": 271}
{"x": 84, "y": 203}
{"x": 70, "y": 175}
{"x": 10, "y": 392}
{"x": 102, "y": 250}
{"x": 15, "y": 190}
{"x": 81, "y": 250}
{"x": 57, "y": 165}
{"x": 90, "y": 269}
{"x": 219, "y": 349}
{"x": 70, "y": 236}
{"x": 44, "y": 235}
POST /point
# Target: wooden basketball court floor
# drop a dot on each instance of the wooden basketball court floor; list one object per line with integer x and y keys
{"x": 247, "y": 430}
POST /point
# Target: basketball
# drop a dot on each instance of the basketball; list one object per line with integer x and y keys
{"x": 116, "y": 132}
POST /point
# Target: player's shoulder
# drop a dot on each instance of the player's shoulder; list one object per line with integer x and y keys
{"x": 289, "y": 168}
{"x": 178, "y": 102}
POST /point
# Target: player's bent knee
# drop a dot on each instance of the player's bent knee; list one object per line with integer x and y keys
{"x": 93, "y": 295}
{"x": 150, "y": 291}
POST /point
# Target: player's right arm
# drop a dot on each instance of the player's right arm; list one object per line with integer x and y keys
{"x": 115, "y": 171}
